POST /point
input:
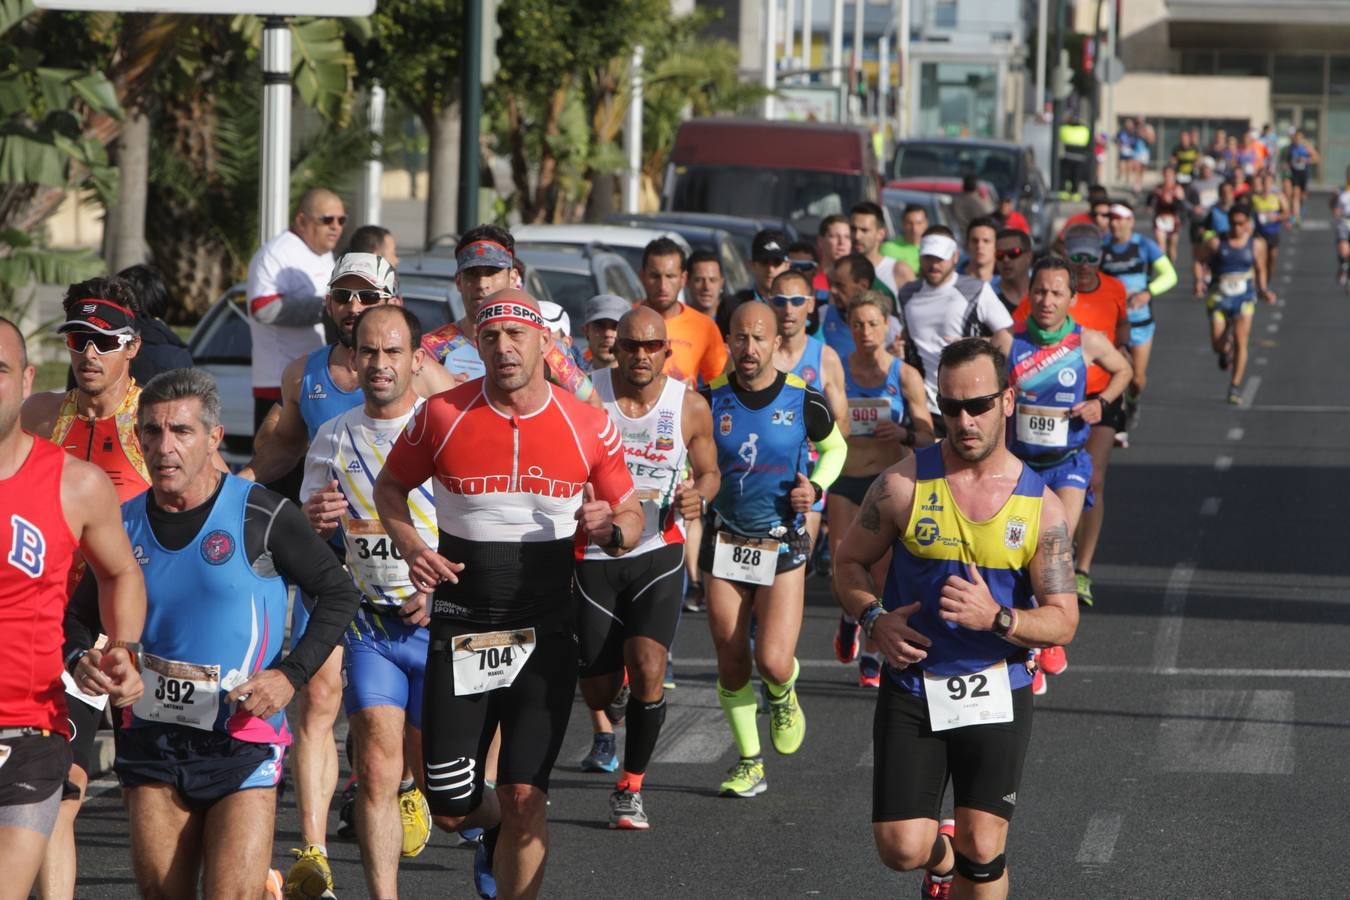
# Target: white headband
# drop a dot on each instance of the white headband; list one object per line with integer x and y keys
{"x": 937, "y": 245}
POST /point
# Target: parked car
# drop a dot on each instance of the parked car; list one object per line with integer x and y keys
{"x": 1010, "y": 167}
{"x": 798, "y": 171}
{"x": 627, "y": 242}
{"x": 735, "y": 261}
{"x": 742, "y": 228}
{"x": 933, "y": 194}
{"x": 575, "y": 274}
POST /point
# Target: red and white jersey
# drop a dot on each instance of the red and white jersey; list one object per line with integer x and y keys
{"x": 501, "y": 477}
{"x": 39, "y": 549}
{"x": 283, "y": 267}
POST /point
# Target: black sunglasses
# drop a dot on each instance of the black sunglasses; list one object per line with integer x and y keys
{"x": 628, "y": 345}
{"x": 330, "y": 220}
{"x": 974, "y": 406}
{"x": 343, "y": 296}
{"x": 782, "y": 300}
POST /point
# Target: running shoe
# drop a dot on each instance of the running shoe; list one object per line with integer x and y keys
{"x": 847, "y": 640}
{"x": 1054, "y": 660}
{"x": 787, "y": 723}
{"x": 274, "y": 888}
{"x": 745, "y": 779}
{"x": 1038, "y": 682}
{"x": 618, "y": 707}
{"x": 1083, "y": 582}
{"x": 694, "y": 600}
{"x": 310, "y": 876}
{"x": 1122, "y": 440}
{"x": 869, "y": 671}
{"x": 669, "y": 681}
{"x": 416, "y": 816}
{"x": 939, "y": 886}
{"x": 1235, "y": 396}
{"x": 469, "y": 837}
{"x": 626, "y": 812}
{"x": 483, "y": 881}
{"x": 602, "y": 757}
{"x": 347, "y": 811}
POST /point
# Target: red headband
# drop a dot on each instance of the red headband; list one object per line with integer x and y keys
{"x": 510, "y": 311}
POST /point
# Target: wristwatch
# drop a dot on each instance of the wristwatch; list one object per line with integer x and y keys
{"x": 820, "y": 492}
{"x": 1003, "y": 621}
{"x": 615, "y": 538}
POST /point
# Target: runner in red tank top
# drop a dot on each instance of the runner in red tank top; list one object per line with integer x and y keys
{"x": 39, "y": 540}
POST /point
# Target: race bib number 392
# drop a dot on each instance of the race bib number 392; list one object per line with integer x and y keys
{"x": 980, "y": 698}
{"x": 178, "y": 693}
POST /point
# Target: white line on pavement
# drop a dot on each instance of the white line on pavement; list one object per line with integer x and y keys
{"x": 1225, "y": 731}
{"x": 1168, "y": 643}
{"x": 1223, "y": 463}
{"x": 1235, "y": 434}
{"x": 1210, "y": 506}
{"x": 1249, "y": 390}
{"x": 1329, "y": 674}
{"x": 1262, "y": 360}
{"x": 1277, "y": 315}
{"x": 1302, "y": 409}
{"x": 1272, "y": 328}
{"x": 1099, "y": 842}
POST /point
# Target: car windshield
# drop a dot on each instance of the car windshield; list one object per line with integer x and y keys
{"x": 570, "y": 290}
{"x": 223, "y": 336}
{"x": 802, "y": 197}
{"x": 996, "y": 165}
{"x": 427, "y": 287}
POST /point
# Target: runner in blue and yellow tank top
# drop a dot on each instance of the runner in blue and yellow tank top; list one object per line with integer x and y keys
{"x": 1238, "y": 272}
{"x": 753, "y": 554}
{"x": 981, "y": 572}
{"x": 1047, "y": 370}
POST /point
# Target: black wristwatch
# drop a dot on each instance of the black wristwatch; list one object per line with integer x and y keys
{"x": 820, "y": 492}
{"x": 615, "y": 538}
{"x": 1003, "y": 621}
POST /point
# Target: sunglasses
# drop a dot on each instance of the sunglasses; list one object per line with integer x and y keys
{"x": 802, "y": 265}
{"x": 628, "y": 345}
{"x": 975, "y": 406}
{"x": 103, "y": 343}
{"x": 1085, "y": 258}
{"x": 1102, "y": 214}
{"x": 1010, "y": 253}
{"x": 331, "y": 220}
{"x": 343, "y": 296}
{"x": 782, "y": 300}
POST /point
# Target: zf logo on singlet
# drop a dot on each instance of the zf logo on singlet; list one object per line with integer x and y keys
{"x": 925, "y": 531}
{"x": 28, "y": 550}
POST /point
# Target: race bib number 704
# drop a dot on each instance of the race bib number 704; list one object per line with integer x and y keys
{"x": 490, "y": 660}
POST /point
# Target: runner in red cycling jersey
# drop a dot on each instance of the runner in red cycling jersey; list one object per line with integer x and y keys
{"x": 523, "y": 473}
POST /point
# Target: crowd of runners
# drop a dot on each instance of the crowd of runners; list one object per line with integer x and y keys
{"x": 459, "y": 528}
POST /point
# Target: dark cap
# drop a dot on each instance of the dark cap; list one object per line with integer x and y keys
{"x": 102, "y": 316}
{"x": 769, "y": 245}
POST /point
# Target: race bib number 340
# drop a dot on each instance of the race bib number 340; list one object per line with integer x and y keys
{"x": 980, "y": 698}
{"x": 490, "y": 660}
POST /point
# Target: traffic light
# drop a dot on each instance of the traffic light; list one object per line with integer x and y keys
{"x": 1062, "y": 85}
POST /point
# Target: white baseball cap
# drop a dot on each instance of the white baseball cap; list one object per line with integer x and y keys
{"x": 374, "y": 270}
{"x": 556, "y": 317}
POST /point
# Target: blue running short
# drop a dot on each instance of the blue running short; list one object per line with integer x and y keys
{"x": 1073, "y": 472}
{"x": 384, "y": 665}
{"x": 203, "y": 765}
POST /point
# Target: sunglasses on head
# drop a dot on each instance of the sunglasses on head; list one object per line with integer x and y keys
{"x": 629, "y": 345}
{"x": 1085, "y": 258}
{"x": 103, "y": 343}
{"x": 782, "y": 300}
{"x": 331, "y": 220}
{"x": 1010, "y": 253}
{"x": 343, "y": 296}
{"x": 974, "y": 406}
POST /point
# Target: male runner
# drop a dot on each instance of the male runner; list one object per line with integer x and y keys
{"x": 1146, "y": 272}
{"x": 1012, "y": 259}
{"x": 1185, "y": 155}
{"x": 1340, "y": 210}
{"x": 905, "y": 247}
{"x": 981, "y": 571}
{"x": 1272, "y": 211}
{"x": 199, "y": 755}
{"x": 869, "y": 230}
{"x": 386, "y": 645}
{"x": 981, "y": 236}
{"x": 603, "y": 312}
{"x": 1300, "y": 155}
{"x": 697, "y": 354}
{"x": 1236, "y": 270}
{"x": 58, "y": 509}
{"x": 754, "y": 554}
{"x": 627, "y": 608}
{"x": 1048, "y": 372}
{"x": 524, "y": 475}
{"x": 706, "y": 281}
{"x": 1201, "y": 194}
{"x": 834, "y": 241}
{"x": 851, "y": 277}
{"x": 768, "y": 258}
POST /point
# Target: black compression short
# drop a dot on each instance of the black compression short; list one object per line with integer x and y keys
{"x": 457, "y": 730}
{"x": 912, "y": 763}
{"x": 507, "y": 582}
{"x": 631, "y": 596}
{"x": 852, "y": 487}
{"x": 84, "y": 723}
{"x": 793, "y": 556}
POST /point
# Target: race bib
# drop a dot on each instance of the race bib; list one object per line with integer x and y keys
{"x": 1043, "y": 426}
{"x": 1165, "y": 223}
{"x": 751, "y": 560}
{"x": 865, "y": 412}
{"x": 1234, "y": 284}
{"x": 178, "y": 693}
{"x": 97, "y": 701}
{"x": 1265, "y": 218}
{"x": 489, "y": 660}
{"x": 372, "y": 556}
{"x": 980, "y": 698}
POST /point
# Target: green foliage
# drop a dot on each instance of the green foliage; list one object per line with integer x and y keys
{"x": 321, "y": 68}
{"x": 24, "y": 262}
{"x": 413, "y": 49}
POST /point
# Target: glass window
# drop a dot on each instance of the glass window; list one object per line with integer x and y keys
{"x": 1241, "y": 62}
{"x": 944, "y": 14}
{"x": 1197, "y": 62}
{"x": 1297, "y": 74}
{"x": 1340, "y": 75}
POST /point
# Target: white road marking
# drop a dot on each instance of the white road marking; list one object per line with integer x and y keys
{"x": 1099, "y": 842}
{"x": 1262, "y": 360}
{"x": 1223, "y": 463}
{"x": 1272, "y": 328}
{"x": 1249, "y": 390}
{"x": 1225, "y": 731}
{"x": 1235, "y": 434}
{"x": 1168, "y": 643}
{"x": 1303, "y": 409}
{"x": 1277, "y": 315}
{"x": 1200, "y": 672}
{"x": 1315, "y": 225}
{"x": 1210, "y": 506}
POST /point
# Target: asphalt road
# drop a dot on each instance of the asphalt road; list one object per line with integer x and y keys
{"x": 1193, "y": 748}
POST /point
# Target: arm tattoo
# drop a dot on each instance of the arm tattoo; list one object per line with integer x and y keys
{"x": 1058, "y": 550}
{"x": 869, "y": 516}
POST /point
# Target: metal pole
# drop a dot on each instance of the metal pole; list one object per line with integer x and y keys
{"x": 883, "y": 78}
{"x": 837, "y": 43}
{"x": 770, "y": 62}
{"x": 857, "y": 66}
{"x": 632, "y": 136}
{"x": 1042, "y": 24}
{"x": 470, "y": 69}
{"x": 807, "y": 60}
{"x": 902, "y": 71}
{"x": 1057, "y": 106}
{"x": 275, "y": 190}
{"x": 371, "y": 206}
{"x": 789, "y": 37}
{"x": 1109, "y": 101}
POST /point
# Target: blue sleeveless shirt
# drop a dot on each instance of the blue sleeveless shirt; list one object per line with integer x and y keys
{"x": 320, "y": 398}
{"x": 1049, "y": 380}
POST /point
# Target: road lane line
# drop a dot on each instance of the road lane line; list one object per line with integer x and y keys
{"x": 1226, "y": 731}
{"x": 1235, "y": 434}
{"x": 1099, "y": 842}
{"x": 1302, "y": 409}
{"x": 1262, "y": 360}
{"x": 1315, "y": 674}
{"x": 1168, "y": 643}
{"x": 1277, "y": 316}
{"x": 1249, "y": 391}
{"x": 1223, "y": 463}
{"x": 1272, "y": 328}
{"x": 1210, "y": 506}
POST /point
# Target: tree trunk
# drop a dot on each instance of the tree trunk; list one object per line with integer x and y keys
{"x": 126, "y": 220}
{"x": 442, "y": 171}
{"x": 600, "y": 201}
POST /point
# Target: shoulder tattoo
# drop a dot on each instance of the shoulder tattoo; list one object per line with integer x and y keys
{"x": 1058, "y": 569}
{"x": 869, "y": 516}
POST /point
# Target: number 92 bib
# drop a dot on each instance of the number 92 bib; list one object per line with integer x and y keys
{"x": 980, "y": 698}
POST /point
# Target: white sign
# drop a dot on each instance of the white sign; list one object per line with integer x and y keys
{"x": 327, "y": 8}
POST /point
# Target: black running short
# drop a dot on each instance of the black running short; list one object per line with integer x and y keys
{"x": 84, "y": 724}
{"x": 532, "y": 712}
{"x": 912, "y": 763}
{"x": 1299, "y": 179}
{"x": 852, "y": 487}
{"x": 203, "y": 765}
{"x": 793, "y": 556}
{"x": 631, "y": 596}
{"x": 1113, "y": 414}
{"x": 34, "y": 767}
{"x": 1272, "y": 239}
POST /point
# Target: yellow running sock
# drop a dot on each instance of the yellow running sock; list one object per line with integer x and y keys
{"x": 779, "y": 691}
{"x": 740, "y": 707}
